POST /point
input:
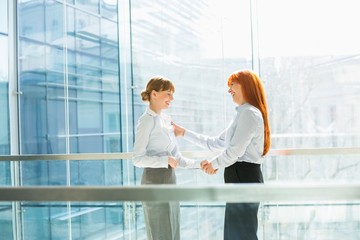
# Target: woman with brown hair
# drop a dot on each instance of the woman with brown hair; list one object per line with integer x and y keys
{"x": 243, "y": 145}
{"x": 155, "y": 149}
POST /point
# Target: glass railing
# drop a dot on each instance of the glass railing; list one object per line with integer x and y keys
{"x": 307, "y": 202}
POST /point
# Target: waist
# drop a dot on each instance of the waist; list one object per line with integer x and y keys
{"x": 158, "y": 176}
{"x": 251, "y": 165}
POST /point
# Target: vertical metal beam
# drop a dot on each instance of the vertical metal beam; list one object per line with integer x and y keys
{"x": 14, "y": 110}
{"x": 126, "y": 103}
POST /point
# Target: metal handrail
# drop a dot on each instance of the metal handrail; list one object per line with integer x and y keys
{"x": 163, "y": 193}
{"x": 190, "y": 154}
{"x": 225, "y": 192}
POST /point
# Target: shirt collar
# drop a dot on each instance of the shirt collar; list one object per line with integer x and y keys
{"x": 239, "y": 108}
{"x": 151, "y": 112}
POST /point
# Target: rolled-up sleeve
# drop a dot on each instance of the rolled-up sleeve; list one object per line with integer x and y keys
{"x": 185, "y": 162}
{"x": 240, "y": 139}
{"x": 142, "y": 136}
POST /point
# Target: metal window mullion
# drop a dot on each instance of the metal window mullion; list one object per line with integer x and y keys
{"x": 14, "y": 114}
{"x": 67, "y": 115}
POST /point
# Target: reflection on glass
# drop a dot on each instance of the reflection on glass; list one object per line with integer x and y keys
{"x": 70, "y": 104}
{"x": 3, "y": 16}
{"x": 6, "y": 224}
{"x": 312, "y": 72}
{"x": 92, "y": 5}
{"x": 69, "y": 76}
{"x": 4, "y": 97}
{"x": 6, "y": 217}
{"x": 109, "y": 9}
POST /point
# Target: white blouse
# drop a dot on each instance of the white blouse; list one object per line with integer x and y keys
{"x": 155, "y": 141}
{"x": 242, "y": 141}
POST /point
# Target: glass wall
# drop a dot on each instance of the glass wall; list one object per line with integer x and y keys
{"x": 82, "y": 66}
{"x": 4, "y": 80}
{"x": 70, "y": 81}
{"x": 310, "y": 65}
{"x": 310, "y": 61}
{"x": 197, "y": 45}
{"x": 5, "y": 208}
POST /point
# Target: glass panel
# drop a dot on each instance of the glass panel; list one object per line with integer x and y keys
{"x": 54, "y": 17}
{"x": 109, "y": 9}
{"x": 4, "y": 98}
{"x": 312, "y": 168}
{"x": 330, "y": 220}
{"x": 45, "y": 221}
{"x": 6, "y": 217}
{"x": 197, "y": 45}
{"x": 320, "y": 221}
{"x": 6, "y": 224}
{"x": 88, "y": 221}
{"x": 70, "y": 103}
{"x": 87, "y": 32}
{"x": 89, "y": 5}
{"x": 3, "y": 16}
{"x": 31, "y": 20}
{"x": 311, "y": 69}
{"x": 43, "y": 173}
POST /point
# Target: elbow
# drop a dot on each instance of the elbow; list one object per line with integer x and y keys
{"x": 136, "y": 162}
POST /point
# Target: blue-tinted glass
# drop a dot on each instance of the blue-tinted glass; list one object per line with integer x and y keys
{"x": 87, "y": 172}
{"x": 44, "y": 173}
{"x": 3, "y": 16}
{"x": 45, "y": 221}
{"x": 109, "y": 45}
{"x": 54, "y": 17}
{"x": 70, "y": 29}
{"x": 70, "y": 101}
{"x": 43, "y": 117}
{"x": 88, "y": 73}
{"x": 31, "y": 20}
{"x": 109, "y": 9}
{"x": 93, "y": 5}
{"x": 4, "y": 98}
{"x": 87, "y": 33}
{"x": 6, "y": 215}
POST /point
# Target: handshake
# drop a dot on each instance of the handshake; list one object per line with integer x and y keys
{"x": 205, "y": 165}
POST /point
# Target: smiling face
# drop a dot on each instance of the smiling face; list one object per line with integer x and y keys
{"x": 165, "y": 98}
{"x": 161, "y": 100}
{"x": 236, "y": 93}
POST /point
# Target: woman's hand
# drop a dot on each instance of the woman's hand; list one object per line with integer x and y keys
{"x": 207, "y": 167}
{"x": 173, "y": 163}
{"x": 178, "y": 130}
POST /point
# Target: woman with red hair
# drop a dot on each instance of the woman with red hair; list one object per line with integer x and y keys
{"x": 243, "y": 145}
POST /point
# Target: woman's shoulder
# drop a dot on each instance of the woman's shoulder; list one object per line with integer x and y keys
{"x": 146, "y": 118}
{"x": 252, "y": 112}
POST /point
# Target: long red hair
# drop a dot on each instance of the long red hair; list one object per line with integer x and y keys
{"x": 254, "y": 94}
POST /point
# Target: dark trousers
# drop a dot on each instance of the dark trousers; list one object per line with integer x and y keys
{"x": 241, "y": 220}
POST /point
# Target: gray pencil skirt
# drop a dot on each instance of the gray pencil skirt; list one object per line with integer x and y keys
{"x": 162, "y": 219}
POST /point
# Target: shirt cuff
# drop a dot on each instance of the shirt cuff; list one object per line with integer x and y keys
{"x": 215, "y": 163}
{"x": 197, "y": 163}
{"x": 164, "y": 161}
